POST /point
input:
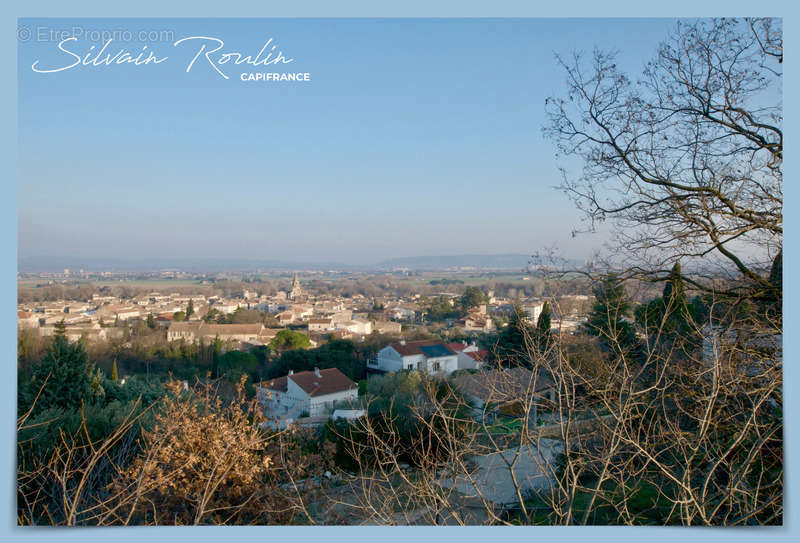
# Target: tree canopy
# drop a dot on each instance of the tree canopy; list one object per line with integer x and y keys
{"x": 608, "y": 318}
{"x": 288, "y": 340}
{"x": 686, "y": 159}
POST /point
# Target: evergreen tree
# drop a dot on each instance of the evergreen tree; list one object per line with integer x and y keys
{"x": 775, "y": 298}
{"x": 64, "y": 378}
{"x": 543, "y": 335}
{"x": 189, "y": 310}
{"x": 473, "y": 297}
{"x": 151, "y": 321}
{"x": 216, "y": 351}
{"x": 671, "y": 315}
{"x": 511, "y": 348}
{"x": 776, "y": 273}
{"x": 289, "y": 340}
{"x": 114, "y": 374}
{"x": 607, "y": 318}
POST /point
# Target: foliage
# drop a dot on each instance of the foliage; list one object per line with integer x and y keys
{"x": 511, "y": 347}
{"x": 686, "y": 159}
{"x": 439, "y": 309}
{"x": 544, "y": 336}
{"x": 472, "y": 297}
{"x": 288, "y": 340}
{"x": 338, "y": 353}
{"x": 608, "y": 318}
{"x": 63, "y": 379}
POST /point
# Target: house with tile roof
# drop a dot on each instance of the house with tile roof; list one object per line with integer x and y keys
{"x": 305, "y": 394}
{"x": 431, "y": 356}
{"x": 469, "y": 355}
{"x": 195, "y": 331}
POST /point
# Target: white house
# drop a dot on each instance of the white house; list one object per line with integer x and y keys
{"x": 305, "y": 394}
{"x": 362, "y": 327}
{"x": 534, "y": 311}
{"x": 388, "y": 327}
{"x": 401, "y": 313}
{"x": 320, "y": 324}
{"x": 431, "y": 356}
{"x": 469, "y": 355}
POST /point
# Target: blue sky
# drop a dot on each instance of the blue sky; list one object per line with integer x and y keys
{"x": 413, "y": 137}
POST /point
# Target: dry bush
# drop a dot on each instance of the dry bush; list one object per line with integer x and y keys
{"x": 203, "y": 462}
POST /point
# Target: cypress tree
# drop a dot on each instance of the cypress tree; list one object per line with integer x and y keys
{"x": 675, "y": 302}
{"x": 674, "y": 292}
{"x": 114, "y": 374}
{"x": 543, "y": 325}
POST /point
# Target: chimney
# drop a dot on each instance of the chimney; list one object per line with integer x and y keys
{"x": 316, "y": 372}
{"x": 291, "y": 372}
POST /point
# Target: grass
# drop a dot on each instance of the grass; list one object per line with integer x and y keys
{"x": 505, "y": 427}
{"x": 644, "y": 502}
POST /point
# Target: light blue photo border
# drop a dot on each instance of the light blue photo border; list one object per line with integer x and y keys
{"x": 408, "y": 8}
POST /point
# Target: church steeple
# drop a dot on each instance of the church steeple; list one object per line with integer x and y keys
{"x": 296, "y": 290}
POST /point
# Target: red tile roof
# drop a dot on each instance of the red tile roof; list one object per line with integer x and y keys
{"x": 279, "y": 383}
{"x": 478, "y": 356}
{"x": 330, "y": 381}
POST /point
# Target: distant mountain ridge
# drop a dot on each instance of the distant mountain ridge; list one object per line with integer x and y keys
{"x": 479, "y": 261}
{"x": 506, "y": 261}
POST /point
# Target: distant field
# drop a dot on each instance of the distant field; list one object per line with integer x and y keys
{"x": 154, "y": 283}
{"x": 472, "y": 279}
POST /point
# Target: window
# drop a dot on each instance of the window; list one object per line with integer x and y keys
{"x": 436, "y": 366}
{"x": 410, "y": 366}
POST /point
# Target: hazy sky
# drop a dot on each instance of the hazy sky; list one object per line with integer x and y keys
{"x": 413, "y": 137}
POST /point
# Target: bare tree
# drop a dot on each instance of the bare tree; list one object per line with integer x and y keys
{"x": 686, "y": 160}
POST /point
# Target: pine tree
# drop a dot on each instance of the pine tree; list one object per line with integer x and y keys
{"x": 669, "y": 316}
{"x": 64, "y": 378}
{"x": 607, "y": 318}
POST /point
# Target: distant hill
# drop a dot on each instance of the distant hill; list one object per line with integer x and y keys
{"x": 507, "y": 261}
{"x": 56, "y": 264}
